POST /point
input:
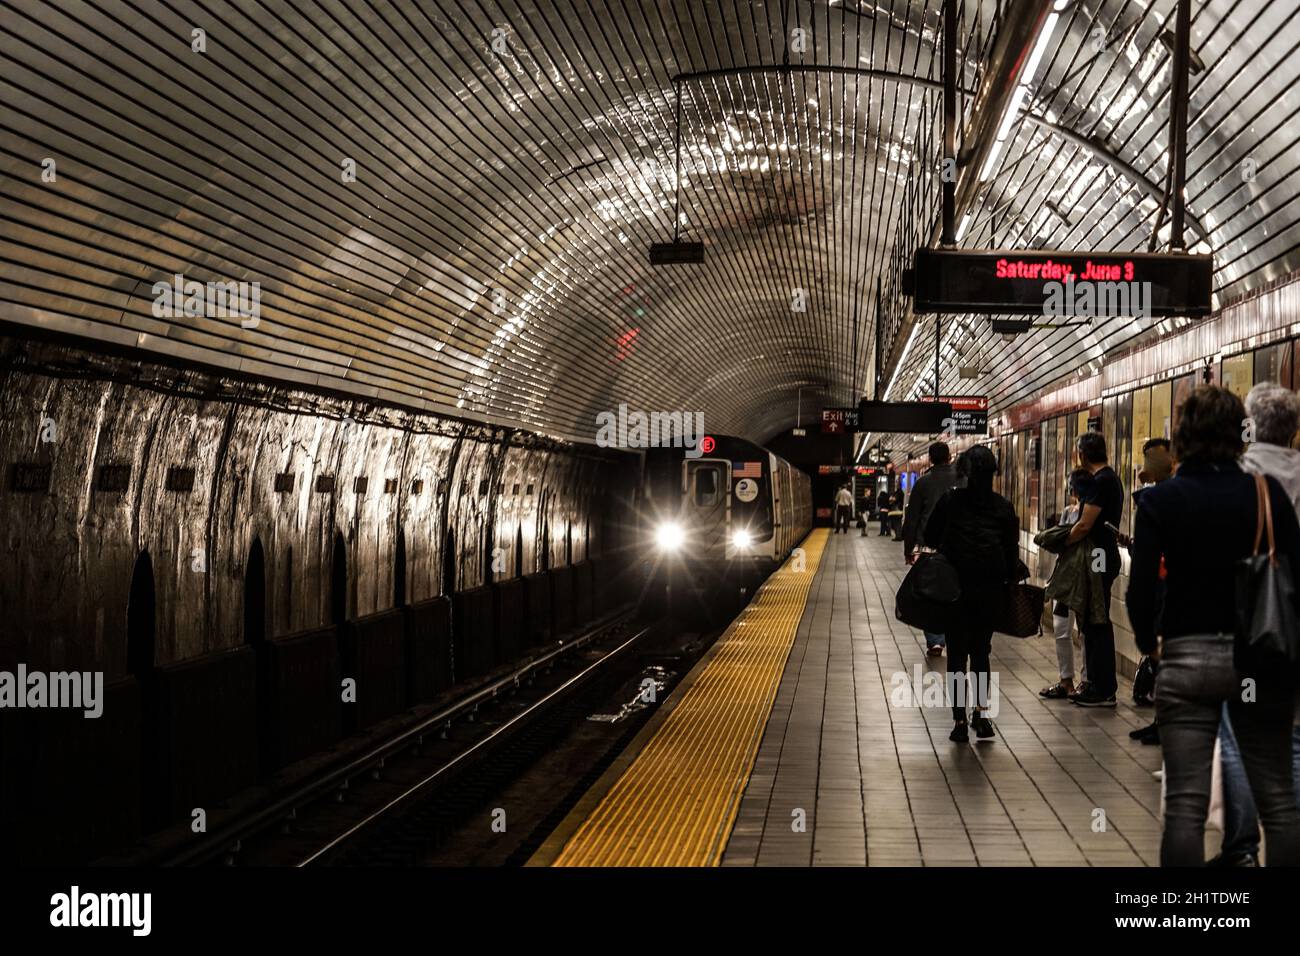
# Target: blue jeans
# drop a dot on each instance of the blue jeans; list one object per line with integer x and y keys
{"x": 1197, "y": 676}
{"x": 1240, "y": 818}
{"x": 933, "y": 640}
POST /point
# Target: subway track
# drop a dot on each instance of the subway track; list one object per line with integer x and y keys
{"x": 402, "y": 799}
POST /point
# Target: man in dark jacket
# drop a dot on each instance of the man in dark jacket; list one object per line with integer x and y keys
{"x": 927, "y": 491}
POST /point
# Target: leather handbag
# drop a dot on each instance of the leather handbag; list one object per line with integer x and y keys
{"x": 1267, "y": 637}
{"x": 1022, "y": 612}
{"x": 928, "y": 594}
{"x": 1144, "y": 682}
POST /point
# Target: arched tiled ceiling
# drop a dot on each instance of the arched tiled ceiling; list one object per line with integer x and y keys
{"x": 1108, "y": 77}
{"x": 490, "y": 258}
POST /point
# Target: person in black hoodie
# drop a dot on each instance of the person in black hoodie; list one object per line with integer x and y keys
{"x": 1203, "y": 521}
{"x": 976, "y": 529}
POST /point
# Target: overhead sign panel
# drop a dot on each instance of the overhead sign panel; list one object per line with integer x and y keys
{"x": 676, "y": 253}
{"x": 915, "y": 418}
{"x": 1047, "y": 283}
{"x": 839, "y": 421}
{"x": 970, "y": 414}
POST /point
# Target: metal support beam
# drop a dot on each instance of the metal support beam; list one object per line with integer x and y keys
{"x": 880, "y": 319}
{"x": 677, "y": 165}
{"x": 948, "y": 178}
{"x": 937, "y": 325}
{"x": 1178, "y": 123}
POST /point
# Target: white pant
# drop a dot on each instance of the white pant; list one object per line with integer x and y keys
{"x": 1065, "y": 649}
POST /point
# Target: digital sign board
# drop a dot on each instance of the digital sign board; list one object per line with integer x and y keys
{"x": 970, "y": 414}
{"x": 915, "y": 418}
{"x": 1040, "y": 282}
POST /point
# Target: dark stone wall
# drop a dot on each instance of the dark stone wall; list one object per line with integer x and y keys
{"x": 68, "y": 549}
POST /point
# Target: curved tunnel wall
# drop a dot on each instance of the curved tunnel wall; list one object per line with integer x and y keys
{"x": 107, "y": 459}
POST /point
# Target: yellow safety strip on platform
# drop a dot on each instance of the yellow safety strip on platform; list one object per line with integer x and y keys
{"x": 676, "y": 804}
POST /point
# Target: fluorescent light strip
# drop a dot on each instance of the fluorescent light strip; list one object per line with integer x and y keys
{"x": 1018, "y": 96}
{"x": 1044, "y": 38}
{"x": 916, "y": 327}
{"x": 994, "y": 152}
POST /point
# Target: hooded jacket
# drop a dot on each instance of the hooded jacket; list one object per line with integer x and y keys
{"x": 1074, "y": 581}
{"x": 1282, "y": 464}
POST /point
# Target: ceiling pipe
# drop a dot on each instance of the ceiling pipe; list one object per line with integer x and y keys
{"x": 1011, "y": 51}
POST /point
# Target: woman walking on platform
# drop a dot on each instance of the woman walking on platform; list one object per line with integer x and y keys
{"x": 976, "y": 529}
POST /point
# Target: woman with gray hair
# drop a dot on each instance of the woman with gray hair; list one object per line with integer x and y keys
{"x": 1273, "y": 415}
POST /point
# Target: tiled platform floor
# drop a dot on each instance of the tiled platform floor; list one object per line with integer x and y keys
{"x": 882, "y": 785}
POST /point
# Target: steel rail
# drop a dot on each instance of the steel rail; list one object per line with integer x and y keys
{"x": 465, "y": 755}
{"x": 284, "y": 807}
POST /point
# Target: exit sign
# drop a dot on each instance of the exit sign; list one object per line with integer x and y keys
{"x": 839, "y": 421}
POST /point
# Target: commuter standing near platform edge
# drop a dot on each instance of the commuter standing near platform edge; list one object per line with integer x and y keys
{"x": 1203, "y": 521}
{"x": 843, "y": 509}
{"x": 1102, "y": 505}
{"x": 977, "y": 530}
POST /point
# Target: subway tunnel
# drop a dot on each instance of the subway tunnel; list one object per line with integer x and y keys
{"x": 423, "y": 416}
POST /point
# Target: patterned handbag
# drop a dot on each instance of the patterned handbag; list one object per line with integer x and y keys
{"x": 1022, "y": 612}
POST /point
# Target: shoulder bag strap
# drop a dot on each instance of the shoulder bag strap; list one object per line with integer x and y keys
{"x": 1261, "y": 487}
{"x": 1259, "y": 514}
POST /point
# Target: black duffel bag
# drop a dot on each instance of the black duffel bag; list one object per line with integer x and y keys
{"x": 928, "y": 594}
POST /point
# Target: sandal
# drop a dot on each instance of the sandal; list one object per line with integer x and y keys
{"x": 1055, "y": 692}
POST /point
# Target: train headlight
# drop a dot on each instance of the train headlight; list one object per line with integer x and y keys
{"x": 741, "y": 538}
{"x": 669, "y": 536}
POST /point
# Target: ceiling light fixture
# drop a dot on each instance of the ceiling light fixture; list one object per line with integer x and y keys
{"x": 677, "y": 252}
{"x": 1022, "y": 90}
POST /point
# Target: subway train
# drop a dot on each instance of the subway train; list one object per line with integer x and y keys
{"x": 714, "y": 526}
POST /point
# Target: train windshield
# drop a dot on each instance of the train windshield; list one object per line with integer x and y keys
{"x": 706, "y": 485}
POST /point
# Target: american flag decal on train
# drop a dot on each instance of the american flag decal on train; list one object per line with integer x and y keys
{"x": 746, "y": 469}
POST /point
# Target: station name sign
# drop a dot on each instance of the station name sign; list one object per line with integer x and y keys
{"x": 1024, "y": 282}
{"x": 970, "y": 414}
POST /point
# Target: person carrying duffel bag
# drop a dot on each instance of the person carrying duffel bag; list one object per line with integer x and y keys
{"x": 978, "y": 534}
{"x": 928, "y": 596}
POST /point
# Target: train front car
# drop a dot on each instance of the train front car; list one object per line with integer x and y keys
{"x": 718, "y": 524}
